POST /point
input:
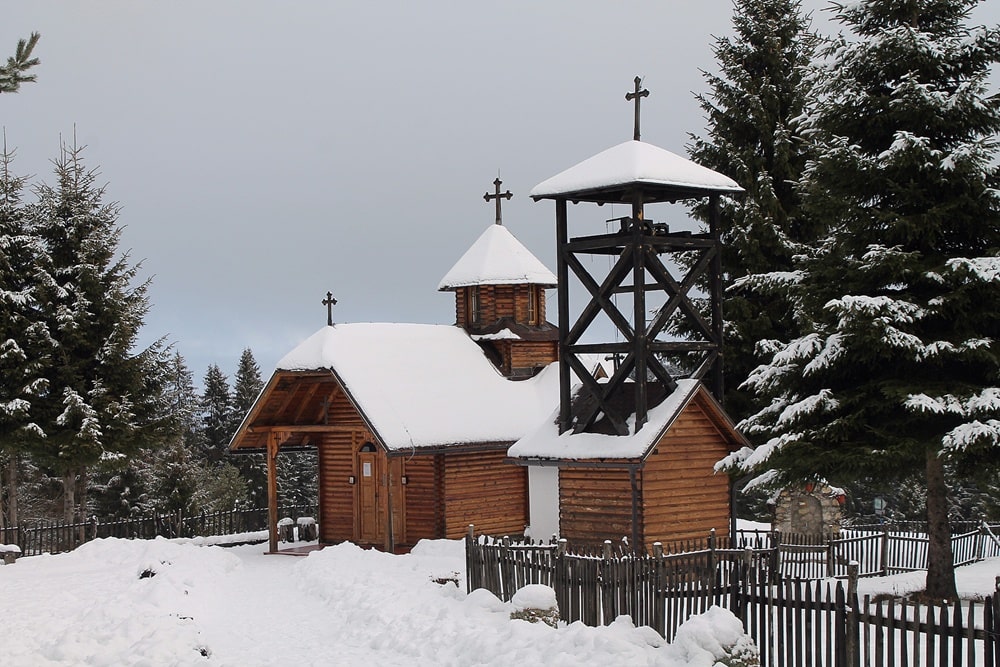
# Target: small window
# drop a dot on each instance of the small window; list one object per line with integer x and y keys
{"x": 532, "y": 305}
{"x": 474, "y": 306}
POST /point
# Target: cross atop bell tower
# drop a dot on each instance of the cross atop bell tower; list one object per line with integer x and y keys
{"x": 498, "y": 196}
{"x": 637, "y": 95}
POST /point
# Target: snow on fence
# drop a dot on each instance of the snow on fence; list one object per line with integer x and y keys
{"x": 794, "y": 622}
{"x": 878, "y": 550}
{"x": 50, "y": 536}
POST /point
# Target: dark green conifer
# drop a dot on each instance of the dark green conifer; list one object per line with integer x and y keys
{"x": 752, "y": 111}
{"x": 901, "y": 371}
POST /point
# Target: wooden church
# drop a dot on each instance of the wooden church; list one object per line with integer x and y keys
{"x": 503, "y": 420}
{"x": 412, "y": 422}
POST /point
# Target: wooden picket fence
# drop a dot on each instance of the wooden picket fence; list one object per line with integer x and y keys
{"x": 878, "y": 550}
{"x": 793, "y": 621}
{"x": 43, "y": 536}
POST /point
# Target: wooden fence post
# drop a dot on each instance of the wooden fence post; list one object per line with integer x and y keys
{"x": 980, "y": 541}
{"x": 993, "y": 628}
{"x": 852, "y": 618}
{"x": 560, "y": 582}
{"x": 473, "y": 578}
{"x": 659, "y": 594}
{"x": 829, "y": 557}
{"x": 840, "y": 630}
{"x": 607, "y": 591}
{"x": 506, "y": 571}
{"x": 741, "y": 595}
{"x": 884, "y": 556}
{"x": 775, "y": 557}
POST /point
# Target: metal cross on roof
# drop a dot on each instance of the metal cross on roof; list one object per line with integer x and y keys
{"x": 329, "y": 302}
{"x": 498, "y": 196}
{"x": 637, "y": 95}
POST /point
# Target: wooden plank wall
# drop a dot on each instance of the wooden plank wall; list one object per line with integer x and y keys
{"x": 682, "y": 497}
{"x": 594, "y": 504}
{"x": 481, "y": 489}
{"x": 532, "y": 354}
{"x": 424, "y": 516}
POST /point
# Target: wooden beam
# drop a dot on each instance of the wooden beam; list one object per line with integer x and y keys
{"x": 273, "y": 440}
{"x": 714, "y": 221}
{"x": 562, "y": 290}
{"x": 303, "y": 428}
{"x": 304, "y": 402}
{"x": 600, "y": 297}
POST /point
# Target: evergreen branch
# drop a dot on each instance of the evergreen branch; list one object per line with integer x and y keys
{"x": 13, "y": 74}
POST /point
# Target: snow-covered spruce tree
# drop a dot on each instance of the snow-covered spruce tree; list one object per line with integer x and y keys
{"x": 901, "y": 372}
{"x": 162, "y": 478}
{"x": 22, "y": 337}
{"x": 101, "y": 396}
{"x": 217, "y": 414}
{"x": 246, "y": 387}
{"x": 15, "y": 72}
{"x": 751, "y": 109}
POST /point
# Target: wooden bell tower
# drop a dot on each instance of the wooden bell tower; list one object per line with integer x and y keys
{"x": 635, "y": 174}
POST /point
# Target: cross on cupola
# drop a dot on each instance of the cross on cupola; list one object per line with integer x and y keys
{"x": 637, "y": 95}
{"x": 498, "y": 196}
{"x": 329, "y": 302}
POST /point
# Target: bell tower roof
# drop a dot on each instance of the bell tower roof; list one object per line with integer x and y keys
{"x": 614, "y": 174}
{"x": 497, "y": 258}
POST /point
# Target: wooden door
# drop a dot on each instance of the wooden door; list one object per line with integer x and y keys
{"x": 368, "y": 497}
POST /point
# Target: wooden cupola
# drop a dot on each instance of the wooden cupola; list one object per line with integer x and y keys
{"x": 499, "y": 288}
{"x": 638, "y": 281}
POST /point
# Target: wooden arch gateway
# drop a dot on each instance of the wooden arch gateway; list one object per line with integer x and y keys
{"x": 292, "y": 413}
{"x": 300, "y": 410}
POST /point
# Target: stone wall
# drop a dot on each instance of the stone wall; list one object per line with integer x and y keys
{"x": 812, "y": 509}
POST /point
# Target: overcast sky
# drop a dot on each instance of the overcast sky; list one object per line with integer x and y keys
{"x": 266, "y": 152}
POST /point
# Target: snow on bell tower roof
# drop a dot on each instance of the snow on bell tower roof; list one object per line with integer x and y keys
{"x": 497, "y": 258}
{"x": 611, "y": 176}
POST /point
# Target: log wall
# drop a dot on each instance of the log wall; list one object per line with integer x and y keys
{"x": 594, "y": 504}
{"x": 424, "y": 515}
{"x": 481, "y": 489}
{"x": 682, "y": 497}
{"x": 533, "y": 354}
{"x": 497, "y": 301}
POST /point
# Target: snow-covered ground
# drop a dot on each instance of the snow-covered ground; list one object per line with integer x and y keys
{"x": 158, "y": 603}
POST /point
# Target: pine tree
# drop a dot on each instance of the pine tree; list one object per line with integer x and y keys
{"x": 247, "y": 387}
{"x": 901, "y": 373}
{"x": 101, "y": 395}
{"x": 14, "y": 73}
{"x": 22, "y": 336}
{"x": 216, "y": 414}
{"x": 752, "y": 110}
{"x": 174, "y": 475}
{"x": 247, "y": 384}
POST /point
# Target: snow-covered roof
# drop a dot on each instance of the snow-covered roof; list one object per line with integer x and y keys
{"x": 497, "y": 258}
{"x": 634, "y": 162}
{"x": 545, "y": 442}
{"x": 426, "y": 385}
